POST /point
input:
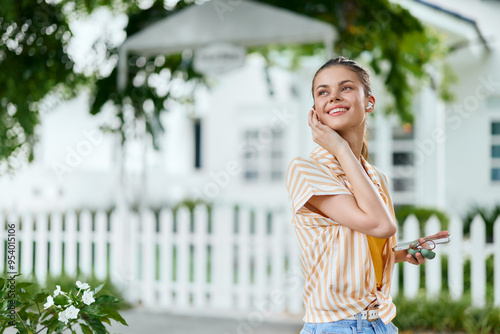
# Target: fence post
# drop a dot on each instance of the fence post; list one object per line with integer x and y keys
{"x": 41, "y": 248}
{"x": 85, "y": 237}
{"x": 101, "y": 253}
{"x": 166, "y": 267}
{"x": 496, "y": 256}
{"x": 56, "y": 242}
{"x": 183, "y": 222}
{"x": 260, "y": 256}
{"x": 294, "y": 275}
{"x": 478, "y": 263}
{"x": 455, "y": 258}
{"x": 395, "y": 281}
{"x": 222, "y": 223}
{"x": 411, "y": 273}
{"x": 122, "y": 251}
{"x": 135, "y": 251}
{"x": 27, "y": 245}
{"x": 243, "y": 271}
{"x": 433, "y": 267}
{"x": 200, "y": 255}
{"x": 148, "y": 261}
{"x": 70, "y": 243}
{"x": 278, "y": 234}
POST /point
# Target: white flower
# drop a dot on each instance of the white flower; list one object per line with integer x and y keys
{"x": 49, "y": 303}
{"x": 81, "y": 285}
{"x": 88, "y": 297}
{"x": 72, "y": 312}
{"x": 58, "y": 290}
{"x": 63, "y": 317}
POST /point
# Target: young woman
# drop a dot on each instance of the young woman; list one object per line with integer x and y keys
{"x": 342, "y": 211}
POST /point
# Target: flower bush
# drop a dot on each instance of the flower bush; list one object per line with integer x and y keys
{"x": 61, "y": 311}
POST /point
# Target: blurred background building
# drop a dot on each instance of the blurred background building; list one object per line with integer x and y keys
{"x": 233, "y": 144}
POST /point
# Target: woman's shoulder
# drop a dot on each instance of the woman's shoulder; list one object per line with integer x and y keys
{"x": 305, "y": 163}
{"x": 382, "y": 176}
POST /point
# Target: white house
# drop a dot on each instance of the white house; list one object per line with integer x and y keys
{"x": 235, "y": 143}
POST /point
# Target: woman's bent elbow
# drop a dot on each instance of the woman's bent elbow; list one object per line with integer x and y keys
{"x": 388, "y": 230}
{"x": 384, "y": 230}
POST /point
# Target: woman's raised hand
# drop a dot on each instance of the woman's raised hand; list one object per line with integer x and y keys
{"x": 325, "y": 136}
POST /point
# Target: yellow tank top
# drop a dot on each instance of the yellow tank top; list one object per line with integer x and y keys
{"x": 376, "y": 249}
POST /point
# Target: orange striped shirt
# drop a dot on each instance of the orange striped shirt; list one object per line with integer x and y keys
{"x": 339, "y": 274}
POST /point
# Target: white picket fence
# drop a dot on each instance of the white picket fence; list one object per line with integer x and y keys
{"x": 219, "y": 261}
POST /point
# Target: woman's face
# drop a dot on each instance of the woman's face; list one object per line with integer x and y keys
{"x": 339, "y": 98}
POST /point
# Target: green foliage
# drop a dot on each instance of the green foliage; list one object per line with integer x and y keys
{"x": 67, "y": 283}
{"x": 191, "y": 204}
{"x": 55, "y": 310}
{"x": 489, "y": 216}
{"x": 422, "y": 214}
{"x": 35, "y": 36}
{"x": 33, "y": 44}
{"x": 141, "y": 102}
{"x": 399, "y": 47}
{"x": 443, "y": 314}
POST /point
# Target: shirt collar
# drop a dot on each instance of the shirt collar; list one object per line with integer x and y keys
{"x": 329, "y": 160}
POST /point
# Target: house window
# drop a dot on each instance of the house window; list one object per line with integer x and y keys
{"x": 495, "y": 174}
{"x": 276, "y": 155}
{"x": 402, "y": 159}
{"x": 263, "y": 155}
{"x": 403, "y": 163}
{"x": 495, "y": 151}
{"x": 403, "y": 184}
{"x": 251, "y": 155}
{"x": 197, "y": 143}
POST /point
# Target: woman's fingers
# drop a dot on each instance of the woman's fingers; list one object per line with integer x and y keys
{"x": 423, "y": 243}
{"x": 314, "y": 118}
{"x": 411, "y": 259}
{"x": 418, "y": 258}
{"x": 313, "y": 121}
{"x": 310, "y": 119}
{"x": 416, "y": 261}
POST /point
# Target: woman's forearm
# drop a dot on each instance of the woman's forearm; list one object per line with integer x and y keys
{"x": 365, "y": 192}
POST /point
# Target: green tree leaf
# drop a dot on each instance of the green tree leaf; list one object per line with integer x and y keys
{"x": 96, "y": 325}
{"x": 85, "y": 329}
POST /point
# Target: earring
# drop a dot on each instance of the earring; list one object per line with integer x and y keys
{"x": 369, "y": 105}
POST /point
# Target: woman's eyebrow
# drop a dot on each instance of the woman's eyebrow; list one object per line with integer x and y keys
{"x": 340, "y": 84}
{"x": 322, "y": 86}
{"x": 344, "y": 81}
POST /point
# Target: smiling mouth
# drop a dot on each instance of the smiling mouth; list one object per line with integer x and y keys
{"x": 337, "y": 111}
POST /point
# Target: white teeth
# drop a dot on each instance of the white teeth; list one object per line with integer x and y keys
{"x": 337, "y": 110}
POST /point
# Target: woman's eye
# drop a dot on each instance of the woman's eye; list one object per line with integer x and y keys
{"x": 346, "y": 88}
{"x": 323, "y": 92}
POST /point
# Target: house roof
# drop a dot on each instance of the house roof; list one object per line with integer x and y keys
{"x": 460, "y": 30}
{"x": 245, "y": 23}
{"x": 469, "y": 20}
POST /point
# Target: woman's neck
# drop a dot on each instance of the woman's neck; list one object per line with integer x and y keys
{"x": 355, "y": 141}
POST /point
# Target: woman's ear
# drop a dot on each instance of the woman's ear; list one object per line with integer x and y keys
{"x": 371, "y": 104}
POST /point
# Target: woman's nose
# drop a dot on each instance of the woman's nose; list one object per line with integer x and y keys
{"x": 335, "y": 97}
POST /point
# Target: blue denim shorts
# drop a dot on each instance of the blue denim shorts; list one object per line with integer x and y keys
{"x": 350, "y": 327}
